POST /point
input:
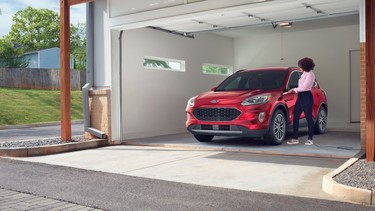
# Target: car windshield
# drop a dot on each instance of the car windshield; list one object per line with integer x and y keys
{"x": 252, "y": 80}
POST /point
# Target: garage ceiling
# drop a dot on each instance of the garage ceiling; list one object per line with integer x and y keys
{"x": 249, "y": 13}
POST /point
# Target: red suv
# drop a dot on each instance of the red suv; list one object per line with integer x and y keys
{"x": 253, "y": 103}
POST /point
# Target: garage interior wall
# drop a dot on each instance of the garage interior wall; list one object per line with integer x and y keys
{"x": 154, "y": 101}
{"x": 327, "y": 41}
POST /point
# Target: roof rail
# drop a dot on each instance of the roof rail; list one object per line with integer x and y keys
{"x": 292, "y": 67}
{"x": 238, "y": 71}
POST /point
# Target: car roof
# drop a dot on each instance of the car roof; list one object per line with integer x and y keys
{"x": 270, "y": 68}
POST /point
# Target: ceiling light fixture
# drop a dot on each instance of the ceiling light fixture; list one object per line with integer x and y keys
{"x": 282, "y": 24}
{"x": 286, "y": 24}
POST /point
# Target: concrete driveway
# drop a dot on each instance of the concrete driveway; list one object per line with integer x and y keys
{"x": 289, "y": 175}
{"x": 233, "y": 163}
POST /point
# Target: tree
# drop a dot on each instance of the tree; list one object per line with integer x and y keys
{"x": 9, "y": 55}
{"x": 78, "y": 45}
{"x": 156, "y": 63}
{"x": 37, "y": 29}
{"x": 215, "y": 69}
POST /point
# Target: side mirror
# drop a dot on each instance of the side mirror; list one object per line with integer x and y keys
{"x": 213, "y": 88}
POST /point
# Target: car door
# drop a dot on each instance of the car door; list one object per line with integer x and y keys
{"x": 291, "y": 98}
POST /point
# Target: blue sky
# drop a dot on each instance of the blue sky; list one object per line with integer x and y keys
{"x": 10, "y": 7}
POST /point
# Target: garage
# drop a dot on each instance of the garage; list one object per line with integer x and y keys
{"x": 149, "y": 102}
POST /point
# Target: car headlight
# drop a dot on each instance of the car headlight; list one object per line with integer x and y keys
{"x": 190, "y": 102}
{"x": 259, "y": 99}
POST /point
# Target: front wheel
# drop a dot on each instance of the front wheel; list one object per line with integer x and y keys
{"x": 321, "y": 121}
{"x": 277, "y": 130}
{"x": 204, "y": 138}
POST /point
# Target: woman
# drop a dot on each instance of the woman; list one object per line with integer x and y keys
{"x": 305, "y": 100}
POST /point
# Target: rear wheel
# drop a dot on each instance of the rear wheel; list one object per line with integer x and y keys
{"x": 321, "y": 121}
{"x": 277, "y": 130}
{"x": 204, "y": 138}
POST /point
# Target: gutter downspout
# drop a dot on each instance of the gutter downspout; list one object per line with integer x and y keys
{"x": 89, "y": 74}
{"x": 120, "y": 80}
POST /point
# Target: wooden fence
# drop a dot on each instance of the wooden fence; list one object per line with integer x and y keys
{"x": 39, "y": 78}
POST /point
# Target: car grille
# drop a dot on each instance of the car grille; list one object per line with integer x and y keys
{"x": 216, "y": 114}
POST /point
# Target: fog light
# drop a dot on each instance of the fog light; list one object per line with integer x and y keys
{"x": 261, "y": 116}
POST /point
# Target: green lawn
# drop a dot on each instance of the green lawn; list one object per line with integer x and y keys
{"x": 25, "y": 106}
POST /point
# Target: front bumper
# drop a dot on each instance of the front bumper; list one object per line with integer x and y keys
{"x": 226, "y": 130}
{"x": 247, "y": 124}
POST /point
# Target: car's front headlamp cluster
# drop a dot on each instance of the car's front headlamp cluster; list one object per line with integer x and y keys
{"x": 259, "y": 99}
{"x": 190, "y": 102}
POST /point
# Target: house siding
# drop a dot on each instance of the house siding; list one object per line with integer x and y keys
{"x": 49, "y": 58}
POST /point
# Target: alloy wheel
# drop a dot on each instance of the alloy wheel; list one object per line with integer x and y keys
{"x": 322, "y": 120}
{"x": 279, "y": 127}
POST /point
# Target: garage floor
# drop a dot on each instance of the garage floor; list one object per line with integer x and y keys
{"x": 331, "y": 144}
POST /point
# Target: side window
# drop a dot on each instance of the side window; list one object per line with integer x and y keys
{"x": 216, "y": 69}
{"x": 293, "y": 80}
{"x": 157, "y": 63}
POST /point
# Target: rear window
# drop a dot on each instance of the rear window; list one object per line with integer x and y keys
{"x": 252, "y": 80}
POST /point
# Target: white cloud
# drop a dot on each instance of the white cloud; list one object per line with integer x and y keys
{"x": 9, "y": 8}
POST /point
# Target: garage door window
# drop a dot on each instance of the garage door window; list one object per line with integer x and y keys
{"x": 216, "y": 69}
{"x": 164, "y": 64}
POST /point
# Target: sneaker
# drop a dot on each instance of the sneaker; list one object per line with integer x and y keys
{"x": 309, "y": 142}
{"x": 293, "y": 141}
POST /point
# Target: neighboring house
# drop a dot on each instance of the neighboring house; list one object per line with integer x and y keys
{"x": 46, "y": 58}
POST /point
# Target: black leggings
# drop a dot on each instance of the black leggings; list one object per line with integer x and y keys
{"x": 304, "y": 103}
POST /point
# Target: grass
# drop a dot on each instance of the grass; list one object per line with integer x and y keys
{"x": 26, "y": 106}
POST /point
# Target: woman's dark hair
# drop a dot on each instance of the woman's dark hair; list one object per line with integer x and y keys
{"x": 306, "y": 64}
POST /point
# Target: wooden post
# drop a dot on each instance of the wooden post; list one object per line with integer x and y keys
{"x": 74, "y": 2}
{"x": 66, "y": 128}
{"x": 370, "y": 80}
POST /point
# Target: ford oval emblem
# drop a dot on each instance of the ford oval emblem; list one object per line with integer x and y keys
{"x": 214, "y": 101}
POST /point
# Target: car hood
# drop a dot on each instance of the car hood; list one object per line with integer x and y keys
{"x": 225, "y": 97}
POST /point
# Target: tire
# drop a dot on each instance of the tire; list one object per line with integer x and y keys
{"x": 321, "y": 121}
{"x": 204, "y": 138}
{"x": 277, "y": 129}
